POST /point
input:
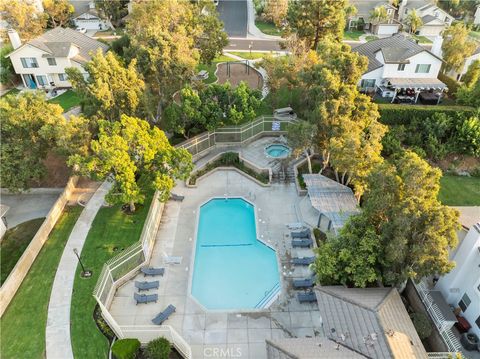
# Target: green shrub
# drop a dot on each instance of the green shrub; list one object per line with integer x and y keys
{"x": 422, "y": 325}
{"x": 229, "y": 158}
{"x": 394, "y": 114}
{"x": 125, "y": 348}
{"x": 452, "y": 84}
{"x": 159, "y": 348}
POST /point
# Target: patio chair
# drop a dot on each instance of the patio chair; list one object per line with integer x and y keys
{"x": 152, "y": 271}
{"x": 176, "y": 197}
{"x": 308, "y": 297}
{"x": 301, "y": 234}
{"x": 146, "y": 285}
{"x": 163, "y": 316}
{"x": 303, "y": 243}
{"x": 304, "y": 261}
{"x": 145, "y": 298}
{"x": 303, "y": 283}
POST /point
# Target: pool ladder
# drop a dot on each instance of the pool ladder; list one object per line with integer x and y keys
{"x": 269, "y": 294}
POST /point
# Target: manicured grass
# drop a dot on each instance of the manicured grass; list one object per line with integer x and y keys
{"x": 112, "y": 231}
{"x": 213, "y": 67}
{"x": 14, "y": 243}
{"x": 460, "y": 190}
{"x": 352, "y": 35}
{"x": 23, "y": 323}
{"x": 67, "y": 100}
{"x": 268, "y": 28}
{"x": 248, "y": 55}
{"x": 371, "y": 37}
{"x": 421, "y": 39}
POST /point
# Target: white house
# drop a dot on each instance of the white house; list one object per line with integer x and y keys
{"x": 86, "y": 16}
{"x": 365, "y": 7}
{"x": 41, "y": 62}
{"x": 461, "y": 287}
{"x": 476, "y": 19}
{"x": 398, "y": 66}
{"x": 434, "y": 19}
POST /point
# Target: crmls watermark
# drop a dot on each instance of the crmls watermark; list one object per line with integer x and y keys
{"x": 222, "y": 352}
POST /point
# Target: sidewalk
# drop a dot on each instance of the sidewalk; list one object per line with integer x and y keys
{"x": 57, "y": 338}
{"x": 252, "y": 30}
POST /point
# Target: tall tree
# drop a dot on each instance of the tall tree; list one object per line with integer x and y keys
{"x": 137, "y": 156}
{"x": 111, "y": 89}
{"x": 276, "y": 11}
{"x": 112, "y": 10}
{"x": 315, "y": 20}
{"x": 469, "y": 95}
{"x": 59, "y": 12}
{"x": 378, "y": 15}
{"x": 24, "y": 17}
{"x": 31, "y": 127}
{"x": 7, "y": 72}
{"x": 301, "y": 137}
{"x": 414, "y": 21}
{"x": 457, "y": 46}
{"x": 472, "y": 75}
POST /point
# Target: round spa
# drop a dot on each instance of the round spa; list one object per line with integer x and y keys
{"x": 277, "y": 150}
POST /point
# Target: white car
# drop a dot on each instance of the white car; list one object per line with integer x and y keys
{"x": 82, "y": 30}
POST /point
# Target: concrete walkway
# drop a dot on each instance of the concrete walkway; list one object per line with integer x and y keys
{"x": 58, "y": 342}
{"x": 253, "y": 31}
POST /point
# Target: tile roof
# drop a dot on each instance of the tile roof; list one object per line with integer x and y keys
{"x": 57, "y": 43}
{"x": 82, "y": 7}
{"x": 396, "y": 49}
{"x": 312, "y": 348}
{"x": 372, "y": 321}
{"x": 364, "y": 7}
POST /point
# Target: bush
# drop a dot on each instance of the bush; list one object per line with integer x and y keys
{"x": 125, "y": 348}
{"x": 159, "y": 348}
{"x": 393, "y": 114}
{"x": 422, "y": 325}
{"x": 452, "y": 84}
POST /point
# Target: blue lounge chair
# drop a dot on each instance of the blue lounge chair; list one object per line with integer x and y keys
{"x": 309, "y": 297}
{"x": 163, "y": 316}
{"x": 304, "y": 261}
{"x": 146, "y": 285}
{"x": 304, "y": 283}
{"x": 145, "y": 298}
{"x": 303, "y": 243}
{"x": 152, "y": 271}
{"x": 302, "y": 234}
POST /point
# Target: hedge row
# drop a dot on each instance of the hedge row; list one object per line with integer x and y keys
{"x": 398, "y": 114}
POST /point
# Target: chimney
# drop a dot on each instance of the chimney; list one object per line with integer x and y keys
{"x": 437, "y": 46}
{"x": 14, "y": 38}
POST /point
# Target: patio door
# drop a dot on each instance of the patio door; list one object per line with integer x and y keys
{"x": 29, "y": 81}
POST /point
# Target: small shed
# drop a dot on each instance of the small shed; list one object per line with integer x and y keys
{"x": 334, "y": 201}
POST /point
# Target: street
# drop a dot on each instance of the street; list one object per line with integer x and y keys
{"x": 233, "y": 13}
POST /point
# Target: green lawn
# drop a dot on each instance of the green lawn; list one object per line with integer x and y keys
{"x": 14, "y": 243}
{"x": 371, "y": 37}
{"x": 212, "y": 68}
{"x": 421, "y": 39}
{"x": 111, "y": 232}
{"x": 460, "y": 190}
{"x": 23, "y": 323}
{"x": 67, "y": 100}
{"x": 268, "y": 28}
{"x": 352, "y": 35}
{"x": 248, "y": 55}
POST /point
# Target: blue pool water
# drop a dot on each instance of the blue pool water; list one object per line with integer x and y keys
{"x": 277, "y": 151}
{"x": 232, "y": 270}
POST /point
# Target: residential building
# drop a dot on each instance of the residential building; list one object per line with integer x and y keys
{"x": 399, "y": 67}
{"x": 461, "y": 287}
{"x": 476, "y": 18}
{"x": 362, "y": 16}
{"x": 41, "y": 62}
{"x": 434, "y": 19}
{"x": 86, "y": 16}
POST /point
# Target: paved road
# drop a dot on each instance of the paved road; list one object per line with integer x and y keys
{"x": 257, "y": 45}
{"x": 233, "y": 13}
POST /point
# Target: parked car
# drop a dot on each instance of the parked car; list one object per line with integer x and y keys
{"x": 82, "y": 30}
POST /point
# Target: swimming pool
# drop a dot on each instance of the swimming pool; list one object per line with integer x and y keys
{"x": 232, "y": 269}
{"x": 277, "y": 151}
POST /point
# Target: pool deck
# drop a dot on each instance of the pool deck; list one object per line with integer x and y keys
{"x": 242, "y": 332}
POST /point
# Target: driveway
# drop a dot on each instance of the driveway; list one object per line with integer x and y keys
{"x": 24, "y": 207}
{"x": 233, "y": 13}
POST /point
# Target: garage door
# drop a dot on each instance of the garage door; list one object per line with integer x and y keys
{"x": 431, "y": 30}
{"x": 387, "y": 29}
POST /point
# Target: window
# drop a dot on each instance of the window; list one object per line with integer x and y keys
{"x": 367, "y": 83}
{"x": 422, "y": 69}
{"x": 464, "y": 302}
{"x": 42, "y": 80}
{"x": 477, "y": 322}
{"x": 62, "y": 77}
{"x": 29, "y": 62}
{"x": 401, "y": 67}
{"x": 51, "y": 61}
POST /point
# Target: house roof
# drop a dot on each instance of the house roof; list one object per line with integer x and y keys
{"x": 416, "y": 83}
{"x": 313, "y": 348}
{"x": 58, "y": 41}
{"x": 334, "y": 200}
{"x": 395, "y": 49}
{"x": 371, "y": 321}
{"x": 364, "y": 7}
{"x": 83, "y": 7}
